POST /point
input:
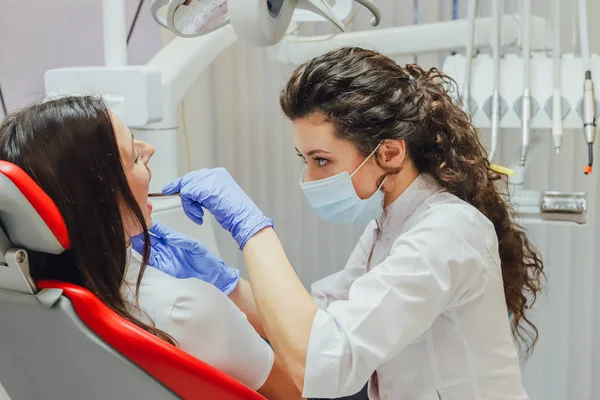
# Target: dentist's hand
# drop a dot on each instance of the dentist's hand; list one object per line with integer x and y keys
{"x": 182, "y": 257}
{"x": 215, "y": 190}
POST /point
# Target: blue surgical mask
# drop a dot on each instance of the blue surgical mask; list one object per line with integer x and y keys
{"x": 335, "y": 200}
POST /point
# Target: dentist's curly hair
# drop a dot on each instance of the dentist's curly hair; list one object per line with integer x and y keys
{"x": 369, "y": 98}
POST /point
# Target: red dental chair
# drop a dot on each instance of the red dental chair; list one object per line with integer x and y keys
{"x": 59, "y": 342}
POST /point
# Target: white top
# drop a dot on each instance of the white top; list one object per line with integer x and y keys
{"x": 203, "y": 321}
{"x": 428, "y": 320}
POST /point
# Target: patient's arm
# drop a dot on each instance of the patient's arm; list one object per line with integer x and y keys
{"x": 243, "y": 298}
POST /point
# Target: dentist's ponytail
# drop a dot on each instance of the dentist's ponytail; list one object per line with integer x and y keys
{"x": 369, "y": 98}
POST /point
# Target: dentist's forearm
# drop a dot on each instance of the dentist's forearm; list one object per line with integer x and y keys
{"x": 243, "y": 298}
{"x": 287, "y": 310}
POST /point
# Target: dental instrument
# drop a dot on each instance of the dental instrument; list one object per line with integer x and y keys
{"x": 163, "y": 195}
{"x": 526, "y": 101}
{"x": 557, "y": 112}
{"x": 589, "y": 103}
{"x": 495, "y": 117}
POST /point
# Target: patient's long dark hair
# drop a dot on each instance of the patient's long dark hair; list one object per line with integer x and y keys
{"x": 68, "y": 146}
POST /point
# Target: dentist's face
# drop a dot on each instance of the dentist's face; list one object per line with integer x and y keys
{"x": 135, "y": 156}
{"x": 326, "y": 155}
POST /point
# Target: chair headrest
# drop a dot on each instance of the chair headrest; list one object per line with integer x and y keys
{"x": 27, "y": 214}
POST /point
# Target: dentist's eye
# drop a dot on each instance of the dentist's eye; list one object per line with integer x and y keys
{"x": 137, "y": 156}
{"x": 321, "y": 161}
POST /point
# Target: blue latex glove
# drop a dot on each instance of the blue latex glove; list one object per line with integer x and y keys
{"x": 181, "y": 257}
{"x": 215, "y": 190}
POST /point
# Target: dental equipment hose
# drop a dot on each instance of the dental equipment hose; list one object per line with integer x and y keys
{"x": 526, "y": 101}
{"x": 135, "y": 19}
{"x": 471, "y": 11}
{"x": 589, "y": 105}
{"x": 496, "y": 93}
{"x": 3, "y": 103}
{"x": 557, "y": 115}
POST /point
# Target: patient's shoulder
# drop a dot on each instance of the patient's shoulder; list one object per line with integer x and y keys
{"x": 168, "y": 299}
{"x": 206, "y": 324}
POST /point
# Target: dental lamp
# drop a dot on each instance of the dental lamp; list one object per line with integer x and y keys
{"x": 258, "y": 22}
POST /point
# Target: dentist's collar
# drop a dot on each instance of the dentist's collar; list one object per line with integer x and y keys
{"x": 397, "y": 213}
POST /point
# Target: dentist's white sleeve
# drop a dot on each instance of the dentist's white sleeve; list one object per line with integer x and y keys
{"x": 336, "y": 286}
{"x": 438, "y": 263}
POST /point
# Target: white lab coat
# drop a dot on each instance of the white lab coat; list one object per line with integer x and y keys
{"x": 204, "y": 322}
{"x": 427, "y": 320}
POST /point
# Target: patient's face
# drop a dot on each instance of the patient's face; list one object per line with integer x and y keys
{"x": 135, "y": 156}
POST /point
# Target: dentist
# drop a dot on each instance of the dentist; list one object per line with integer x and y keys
{"x": 420, "y": 310}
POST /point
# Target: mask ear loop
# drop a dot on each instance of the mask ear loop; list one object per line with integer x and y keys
{"x": 366, "y": 159}
{"x": 302, "y": 174}
{"x": 364, "y": 162}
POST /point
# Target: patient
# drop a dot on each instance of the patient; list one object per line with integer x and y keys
{"x": 96, "y": 173}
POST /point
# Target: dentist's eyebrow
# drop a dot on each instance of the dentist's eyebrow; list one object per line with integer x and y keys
{"x": 310, "y": 153}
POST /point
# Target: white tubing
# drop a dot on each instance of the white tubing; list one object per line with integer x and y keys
{"x": 525, "y": 25}
{"x": 471, "y": 11}
{"x": 496, "y": 37}
{"x": 526, "y": 101}
{"x": 583, "y": 35}
{"x": 557, "y": 120}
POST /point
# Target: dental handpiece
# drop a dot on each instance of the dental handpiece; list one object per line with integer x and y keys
{"x": 495, "y": 125}
{"x": 589, "y": 118}
{"x": 526, "y": 112}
